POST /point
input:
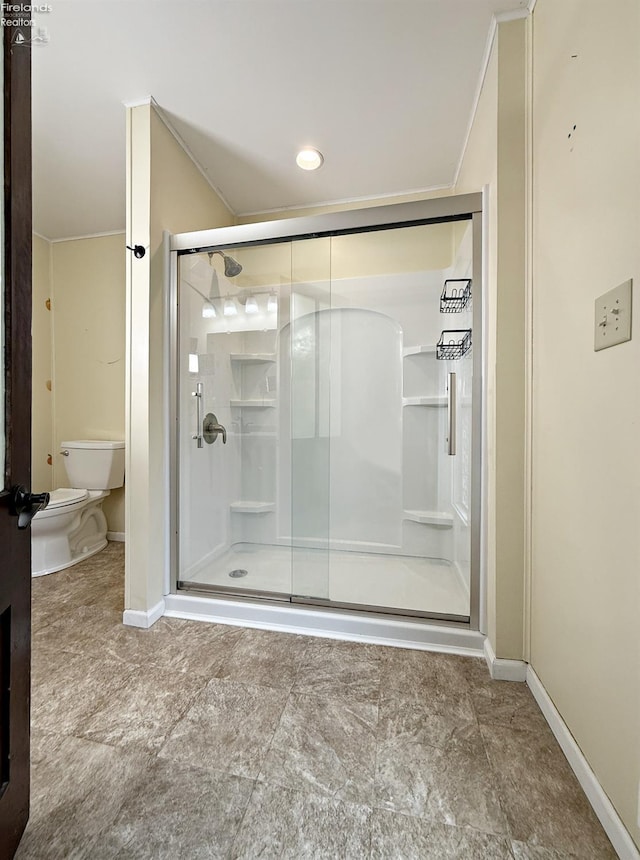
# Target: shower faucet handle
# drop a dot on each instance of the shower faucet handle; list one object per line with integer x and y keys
{"x": 211, "y": 429}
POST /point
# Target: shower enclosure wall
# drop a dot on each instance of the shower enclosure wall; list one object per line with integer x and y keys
{"x": 324, "y": 442}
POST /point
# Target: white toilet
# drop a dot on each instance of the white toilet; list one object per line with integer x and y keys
{"x": 73, "y": 527}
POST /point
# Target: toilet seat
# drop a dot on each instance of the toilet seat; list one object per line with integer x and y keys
{"x": 66, "y": 496}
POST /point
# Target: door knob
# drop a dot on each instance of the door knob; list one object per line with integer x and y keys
{"x": 25, "y": 505}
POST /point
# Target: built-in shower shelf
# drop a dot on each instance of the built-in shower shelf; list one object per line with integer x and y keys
{"x": 252, "y": 404}
{"x": 429, "y": 518}
{"x": 253, "y": 357}
{"x": 435, "y": 400}
{"x": 420, "y": 349}
{"x": 252, "y": 507}
{"x": 250, "y": 435}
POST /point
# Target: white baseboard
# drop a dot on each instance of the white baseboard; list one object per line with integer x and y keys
{"x": 140, "y": 618}
{"x": 119, "y": 536}
{"x": 501, "y": 669}
{"x": 602, "y": 806}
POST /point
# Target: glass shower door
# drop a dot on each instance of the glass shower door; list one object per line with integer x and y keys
{"x": 345, "y": 477}
{"x": 230, "y": 524}
{"x": 307, "y": 351}
{"x": 378, "y": 490}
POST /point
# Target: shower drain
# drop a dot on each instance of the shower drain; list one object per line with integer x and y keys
{"x": 236, "y": 574}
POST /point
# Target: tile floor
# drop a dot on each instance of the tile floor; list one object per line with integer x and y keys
{"x": 203, "y": 741}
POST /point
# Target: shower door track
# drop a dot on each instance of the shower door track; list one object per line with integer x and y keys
{"x": 225, "y": 591}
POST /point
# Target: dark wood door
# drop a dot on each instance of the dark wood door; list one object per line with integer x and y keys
{"x": 15, "y": 441}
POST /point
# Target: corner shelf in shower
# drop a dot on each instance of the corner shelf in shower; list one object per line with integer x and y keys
{"x": 248, "y": 507}
{"x": 252, "y": 404}
{"x": 424, "y": 401}
{"x": 429, "y": 518}
{"x": 253, "y": 357}
{"x": 420, "y": 349}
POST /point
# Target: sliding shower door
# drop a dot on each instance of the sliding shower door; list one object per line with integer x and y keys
{"x": 325, "y": 426}
{"x": 381, "y": 420}
{"x": 233, "y": 522}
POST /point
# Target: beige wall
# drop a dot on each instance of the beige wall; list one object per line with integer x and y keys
{"x": 585, "y": 641}
{"x": 42, "y": 405}
{"x": 495, "y": 157}
{"x": 88, "y": 293}
{"x": 165, "y": 191}
{"x": 78, "y": 346}
{"x": 510, "y": 340}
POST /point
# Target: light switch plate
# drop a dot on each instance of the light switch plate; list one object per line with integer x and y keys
{"x": 613, "y": 317}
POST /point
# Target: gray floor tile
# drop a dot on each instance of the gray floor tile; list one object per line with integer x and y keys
{"x": 437, "y": 681}
{"x": 182, "y": 646}
{"x": 346, "y": 669}
{"x": 542, "y": 799}
{"x": 178, "y": 812}
{"x": 522, "y": 851}
{"x": 85, "y": 630}
{"x": 229, "y": 727}
{"x": 405, "y": 731}
{"x": 78, "y": 788}
{"x": 67, "y": 689}
{"x": 293, "y": 825}
{"x": 506, "y": 703}
{"x": 143, "y": 710}
{"x": 327, "y": 745}
{"x": 436, "y": 768}
{"x": 265, "y": 657}
{"x": 206, "y": 648}
{"x": 398, "y": 837}
{"x": 475, "y": 669}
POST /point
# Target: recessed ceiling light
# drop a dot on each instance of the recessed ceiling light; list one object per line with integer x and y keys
{"x": 309, "y": 158}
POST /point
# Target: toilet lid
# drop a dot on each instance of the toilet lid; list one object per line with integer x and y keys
{"x": 66, "y": 496}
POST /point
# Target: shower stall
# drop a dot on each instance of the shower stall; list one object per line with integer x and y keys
{"x": 326, "y": 384}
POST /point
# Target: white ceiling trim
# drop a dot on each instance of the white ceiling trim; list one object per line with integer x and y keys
{"x": 88, "y": 236}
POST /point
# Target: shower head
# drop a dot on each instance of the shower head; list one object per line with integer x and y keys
{"x": 231, "y": 267}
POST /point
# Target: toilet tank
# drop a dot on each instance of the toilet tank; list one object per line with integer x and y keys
{"x": 93, "y": 464}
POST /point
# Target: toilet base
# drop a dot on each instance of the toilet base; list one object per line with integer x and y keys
{"x": 68, "y": 536}
{"x": 87, "y": 554}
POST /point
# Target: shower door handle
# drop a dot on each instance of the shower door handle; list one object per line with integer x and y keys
{"x": 198, "y": 395}
{"x": 451, "y": 415}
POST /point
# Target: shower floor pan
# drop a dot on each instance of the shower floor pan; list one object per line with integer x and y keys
{"x": 403, "y": 584}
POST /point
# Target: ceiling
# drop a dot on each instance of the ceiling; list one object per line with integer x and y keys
{"x": 384, "y": 88}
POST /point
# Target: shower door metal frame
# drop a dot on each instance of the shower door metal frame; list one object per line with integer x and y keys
{"x": 464, "y": 207}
